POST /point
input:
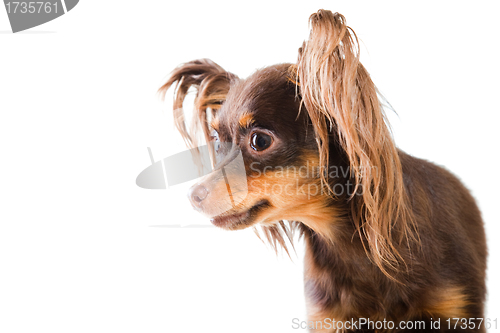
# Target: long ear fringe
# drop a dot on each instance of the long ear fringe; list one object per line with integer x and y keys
{"x": 340, "y": 98}
{"x": 212, "y": 83}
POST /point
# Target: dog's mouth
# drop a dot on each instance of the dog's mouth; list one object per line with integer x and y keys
{"x": 239, "y": 220}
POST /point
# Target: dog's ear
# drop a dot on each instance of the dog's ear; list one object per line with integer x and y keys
{"x": 212, "y": 83}
{"x": 342, "y": 101}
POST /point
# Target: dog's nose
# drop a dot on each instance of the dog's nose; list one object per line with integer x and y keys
{"x": 197, "y": 194}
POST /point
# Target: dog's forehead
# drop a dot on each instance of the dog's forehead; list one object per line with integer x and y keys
{"x": 267, "y": 96}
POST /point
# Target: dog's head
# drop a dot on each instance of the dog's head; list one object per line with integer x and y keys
{"x": 261, "y": 121}
{"x": 313, "y": 139}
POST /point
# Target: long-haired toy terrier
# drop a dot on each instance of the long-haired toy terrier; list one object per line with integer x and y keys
{"x": 393, "y": 242}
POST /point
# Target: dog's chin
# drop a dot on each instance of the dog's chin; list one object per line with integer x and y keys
{"x": 235, "y": 220}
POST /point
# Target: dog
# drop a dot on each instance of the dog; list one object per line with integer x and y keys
{"x": 389, "y": 238}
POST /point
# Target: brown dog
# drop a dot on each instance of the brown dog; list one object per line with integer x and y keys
{"x": 389, "y": 237}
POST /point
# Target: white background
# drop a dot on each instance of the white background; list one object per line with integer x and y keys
{"x": 80, "y": 246}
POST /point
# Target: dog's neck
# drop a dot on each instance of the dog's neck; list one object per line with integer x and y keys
{"x": 338, "y": 274}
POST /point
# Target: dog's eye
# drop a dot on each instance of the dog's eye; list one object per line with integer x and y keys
{"x": 260, "y": 141}
{"x": 215, "y": 139}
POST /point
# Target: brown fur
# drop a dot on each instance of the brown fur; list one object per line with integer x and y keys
{"x": 406, "y": 242}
